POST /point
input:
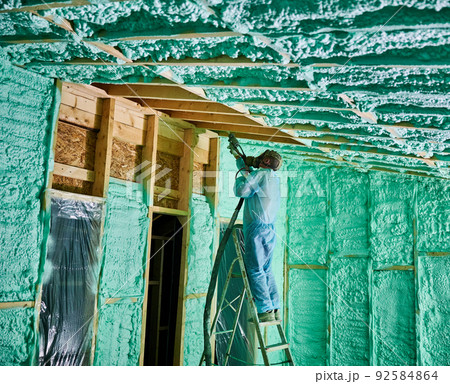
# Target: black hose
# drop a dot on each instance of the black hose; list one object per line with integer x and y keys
{"x": 212, "y": 285}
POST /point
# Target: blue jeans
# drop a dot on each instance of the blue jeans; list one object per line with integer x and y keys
{"x": 260, "y": 239}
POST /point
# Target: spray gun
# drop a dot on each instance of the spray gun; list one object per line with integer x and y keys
{"x": 237, "y": 151}
{"x": 235, "y": 148}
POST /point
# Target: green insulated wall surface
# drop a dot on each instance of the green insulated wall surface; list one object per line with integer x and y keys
{"x": 124, "y": 254}
{"x": 366, "y": 259}
{"x": 201, "y": 246}
{"x": 27, "y": 105}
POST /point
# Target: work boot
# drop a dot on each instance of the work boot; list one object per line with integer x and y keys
{"x": 265, "y": 317}
{"x": 277, "y": 315}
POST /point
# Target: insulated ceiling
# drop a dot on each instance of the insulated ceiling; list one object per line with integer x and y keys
{"x": 359, "y": 82}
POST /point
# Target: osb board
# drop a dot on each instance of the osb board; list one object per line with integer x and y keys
{"x": 68, "y": 184}
{"x": 125, "y": 158}
{"x": 167, "y": 170}
{"x": 198, "y": 179}
{"x": 75, "y": 146}
{"x": 165, "y": 202}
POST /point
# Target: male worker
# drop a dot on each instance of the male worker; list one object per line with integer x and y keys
{"x": 261, "y": 190}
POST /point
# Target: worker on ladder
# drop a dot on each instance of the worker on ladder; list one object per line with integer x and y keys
{"x": 259, "y": 185}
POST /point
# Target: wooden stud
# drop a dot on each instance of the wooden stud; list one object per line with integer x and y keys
{"x": 73, "y": 172}
{"x": 17, "y": 304}
{"x": 185, "y": 186}
{"x": 186, "y": 169}
{"x": 149, "y": 156}
{"x": 169, "y": 211}
{"x": 103, "y": 150}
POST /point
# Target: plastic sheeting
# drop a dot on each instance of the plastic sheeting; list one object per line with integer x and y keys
{"x": 244, "y": 346}
{"x": 70, "y": 282}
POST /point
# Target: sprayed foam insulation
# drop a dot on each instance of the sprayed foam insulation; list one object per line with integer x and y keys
{"x": 25, "y": 132}
{"x": 193, "y": 331}
{"x": 393, "y": 319}
{"x": 434, "y": 216}
{"x": 202, "y": 233}
{"x": 124, "y": 242}
{"x": 125, "y": 157}
{"x": 307, "y": 216}
{"x": 349, "y": 311}
{"x": 307, "y": 316}
{"x": 119, "y": 334}
{"x": 16, "y": 336}
{"x": 340, "y": 32}
{"x": 201, "y": 243}
{"x": 75, "y": 146}
{"x": 434, "y": 314}
{"x": 391, "y": 227}
{"x": 124, "y": 255}
{"x": 349, "y": 213}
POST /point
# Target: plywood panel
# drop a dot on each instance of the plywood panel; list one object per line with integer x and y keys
{"x": 75, "y": 146}
{"x": 124, "y": 159}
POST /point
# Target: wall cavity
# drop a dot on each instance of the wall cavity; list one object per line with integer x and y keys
{"x": 122, "y": 284}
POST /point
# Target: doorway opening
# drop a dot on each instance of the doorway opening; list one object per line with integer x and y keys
{"x": 163, "y": 290}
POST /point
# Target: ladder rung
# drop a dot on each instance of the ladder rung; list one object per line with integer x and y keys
{"x": 222, "y": 332}
{"x": 236, "y": 276}
{"x": 276, "y": 347}
{"x": 268, "y": 323}
{"x": 282, "y": 362}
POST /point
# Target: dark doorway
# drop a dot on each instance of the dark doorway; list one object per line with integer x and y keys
{"x": 163, "y": 290}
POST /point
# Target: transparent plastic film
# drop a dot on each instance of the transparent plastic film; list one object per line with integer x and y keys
{"x": 70, "y": 281}
{"x": 243, "y": 346}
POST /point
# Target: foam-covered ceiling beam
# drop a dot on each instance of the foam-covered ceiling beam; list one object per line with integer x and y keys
{"x": 45, "y": 5}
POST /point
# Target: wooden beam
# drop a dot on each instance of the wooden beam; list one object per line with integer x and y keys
{"x": 103, "y": 149}
{"x": 190, "y": 105}
{"x": 186, "y": 169}
{"x": 74, "y": 172}
{"x": 148, "y": 160}
{"x": 211, "y": 180}
{"x": 185, "y": 186}
{"x": 322, "y": 146}
{"x": 195, "y": 116}
{"x": 156, "y": 91}
{"x": 221, "y": 61}
{"x": 17, "y": 304}
{"x": 169, "y": 211}
{"x": 55, "y": 4}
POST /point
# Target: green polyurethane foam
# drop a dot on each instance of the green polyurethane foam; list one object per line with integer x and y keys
{"x": 349, "y": 318}
{"x": 202, "y": 233}
{"x": 193, "y": 331}
{"x": 25, "y": 116}
{"x": 16, "y": 336}
{"x": 393, "y": 319}
{"x": 307, "y": 316}
{"x": 119, "y": 333}
{"x": 124, "y": 241}
{"x": 433, "y": 324}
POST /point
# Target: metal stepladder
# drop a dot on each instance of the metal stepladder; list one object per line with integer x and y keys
{"x": 223, "y": 303}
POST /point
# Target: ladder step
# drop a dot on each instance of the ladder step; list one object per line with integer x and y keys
{"x": 222, "y": 332}
{"x": 268, "y": 323}
{"x": 236, "y": 276}
{"x": 276, "y": 347}
{"x": 282, "y": 362}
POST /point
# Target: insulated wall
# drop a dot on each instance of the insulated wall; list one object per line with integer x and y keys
{"x": 122, "y": 285}
{"x": 366, "y": 259}
{"x": 201, "y": 246}
{"x": 27, "y": 106}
